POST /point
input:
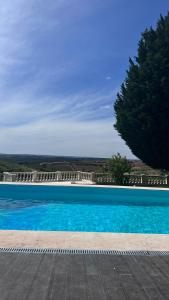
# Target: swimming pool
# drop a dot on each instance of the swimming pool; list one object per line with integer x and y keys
{"x": 28, "y": 207}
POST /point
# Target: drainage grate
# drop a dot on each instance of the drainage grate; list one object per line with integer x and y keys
{"x": 81, "y": 251}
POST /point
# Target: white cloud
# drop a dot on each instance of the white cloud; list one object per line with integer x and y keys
{"x": 67, "y": 137}
{"x": 25, "y": 105}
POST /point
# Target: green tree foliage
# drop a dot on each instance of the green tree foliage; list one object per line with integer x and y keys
{"x": 142, "y": 106}
{"x": 13, "y": 167}
{"x": 117, "y": 166}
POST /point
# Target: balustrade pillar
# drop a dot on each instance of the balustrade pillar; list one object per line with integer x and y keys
{"x": 167, "y": 180}
{"x": 143, "y": 179}
{"x": 7, "y": 176}
{"x": 34, "y": 176}
{"x": 93, "y": 179}
{"x": 79, "y": 175}
{"x": 58, "y": 176}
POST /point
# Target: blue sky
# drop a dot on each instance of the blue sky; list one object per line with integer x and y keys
{"x": 61, "y": 65}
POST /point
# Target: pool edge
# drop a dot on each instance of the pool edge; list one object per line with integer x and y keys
{"x": 21, "y": 239}
{"x": 83, "y": 184}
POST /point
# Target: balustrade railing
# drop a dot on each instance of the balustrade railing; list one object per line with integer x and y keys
{"x": 76, "y": 176}
{"x": 132, "y": 180}
{"x": 47, "y": 176}
{"x": 104, "y": 178}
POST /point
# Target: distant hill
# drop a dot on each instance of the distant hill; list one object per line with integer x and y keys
{"x": 51, "y": 163}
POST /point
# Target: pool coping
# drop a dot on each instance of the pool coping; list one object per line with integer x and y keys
{"x": 83, "y": 184}
{"x": 70, "y": 240}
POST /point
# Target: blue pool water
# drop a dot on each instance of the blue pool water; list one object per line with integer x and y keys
{"x": 25, "y": 207}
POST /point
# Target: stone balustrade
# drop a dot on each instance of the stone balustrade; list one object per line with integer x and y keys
{"x": 132, "y": 180}
{"x": 76, "y": 176}
{"x": 47, "y": 176}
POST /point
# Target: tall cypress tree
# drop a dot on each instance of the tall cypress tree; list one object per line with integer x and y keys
{"x": 142, "y": 106}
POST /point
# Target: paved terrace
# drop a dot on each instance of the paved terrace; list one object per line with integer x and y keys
{"x": 83, "y": 277}
{"x": 34, "y": 276}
